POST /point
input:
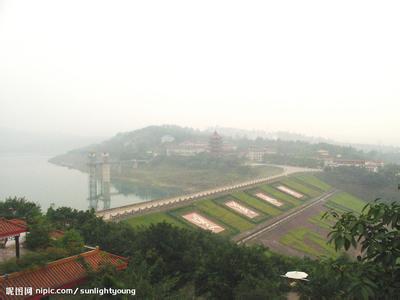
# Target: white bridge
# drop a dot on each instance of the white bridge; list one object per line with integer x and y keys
{"x": 132, "y": 209}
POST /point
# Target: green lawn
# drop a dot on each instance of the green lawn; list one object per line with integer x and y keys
{"x": 154, "y": 218}
{"x": 209, "y": 207}
{"x": 258, "y": 204}
{"x": 347, "y": 202}
{"x": 302, "y": 239}
{"x": 322, "y": 242}
{"x": 323, "y": 223}
{"x": 235, "y": 223}
{"x": 231, "y": 221}
{"x": 180, "y": 178}
{"x": 298, "y": 187}
{"x": 314, "y": 181}
{"x": 280, "y": 195}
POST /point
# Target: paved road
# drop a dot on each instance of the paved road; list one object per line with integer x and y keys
{"x": 272, "y": 224}
{"x": 126, "y": 210}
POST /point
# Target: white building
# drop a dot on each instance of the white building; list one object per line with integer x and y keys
{"x": 372, "y": 166}
{"x": 256, "y": 155}
{"x": 167, "y": 139}
{"x": 187, "y": 149}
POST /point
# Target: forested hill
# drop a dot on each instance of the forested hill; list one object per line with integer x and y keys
{"x": 136, "y": 144}
{"x": 152, "y": 141}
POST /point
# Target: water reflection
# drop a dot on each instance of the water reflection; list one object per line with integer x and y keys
{"x": 33, "y": 177}
{"x": 101, "y": 190}
{"x": 144, "y": 191}
{"x": 99, "y": 181}
{"x": 118, "y": 188}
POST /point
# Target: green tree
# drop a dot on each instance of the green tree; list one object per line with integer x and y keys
{"x": 19, "y": 208}
{"x": 340, "y": 278}
{"x": 72, "y": 241}
{"x": 66, "y": 217}
{"x": 38, "y": 236}
{"x": 29, "y": 260}
{"x": 376, "y": 233}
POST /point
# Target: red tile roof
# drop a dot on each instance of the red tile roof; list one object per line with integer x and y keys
{"x": 12, "y": 227}
{"x": 18, "y": 222}
{"x": 66, "y": 272}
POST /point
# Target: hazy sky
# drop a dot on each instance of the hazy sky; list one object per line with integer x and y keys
{"x": 326, "y": 68}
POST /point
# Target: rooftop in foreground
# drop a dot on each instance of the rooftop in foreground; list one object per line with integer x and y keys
{"x": 64, "y": 273}
{"x": 13, "y": 227}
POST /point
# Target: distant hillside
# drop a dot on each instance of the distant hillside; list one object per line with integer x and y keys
{"x": 281, "y": 135}
{"x": 136, "y": 144}
{"x": 152, "y": 141}
{"x": 386, "y": 153}
{"x": 176, "y": 172}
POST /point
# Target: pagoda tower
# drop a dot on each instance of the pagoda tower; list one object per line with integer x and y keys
{"x": 216, "y": 144}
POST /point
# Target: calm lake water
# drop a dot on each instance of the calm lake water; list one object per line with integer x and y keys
{"x": 33, "y": 177}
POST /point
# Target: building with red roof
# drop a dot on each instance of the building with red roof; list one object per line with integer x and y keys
{"x": 64, "y": 273}
{"x": 215, "y": 144}
{"x": 12, "y": 229}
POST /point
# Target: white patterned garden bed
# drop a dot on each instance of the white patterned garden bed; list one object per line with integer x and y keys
{"x": 290, "y": 192}
{"x": 241, "y": 209}
{"x": 202, "y": 222}
{"x": 269, "y": 199}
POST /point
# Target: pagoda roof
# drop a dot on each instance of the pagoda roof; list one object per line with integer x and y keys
{"x": 12, "y": 227}
{"x": 215, "y": 135}
{"x": 64, "y": 273}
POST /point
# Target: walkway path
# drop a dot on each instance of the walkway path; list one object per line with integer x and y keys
{"x": 132, "y": 209}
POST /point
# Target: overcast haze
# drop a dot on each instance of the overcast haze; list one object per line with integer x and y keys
{"x": 322, "y": 68}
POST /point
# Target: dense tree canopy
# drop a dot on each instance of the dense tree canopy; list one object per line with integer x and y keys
{"x": 365, "y": 184}
{"x": 19, "y": 208}
{"x": 375, "y": 274}
{"x": 166, "y": 262}
{"x": 376, "y": 232}
{"x": 38, "y": 236}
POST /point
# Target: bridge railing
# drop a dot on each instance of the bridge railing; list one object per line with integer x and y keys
{"x": 139, "y": 208}
{"x": 123, "y": 212}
